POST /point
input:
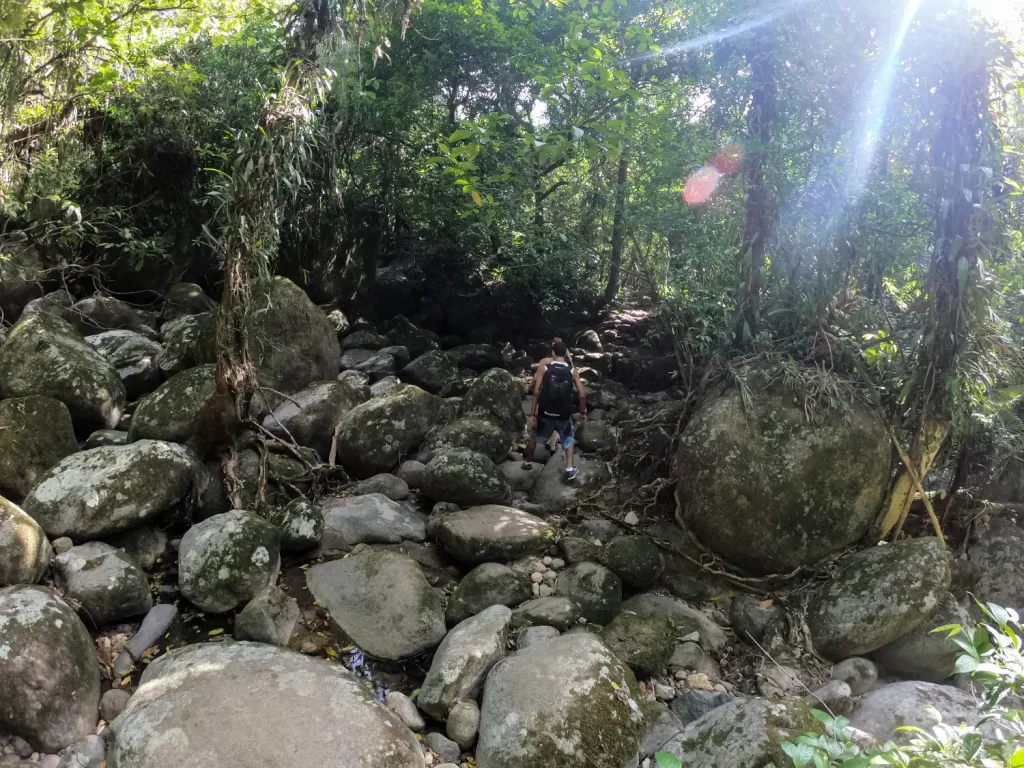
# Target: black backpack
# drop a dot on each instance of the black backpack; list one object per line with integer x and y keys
{"x": 558, "y": 391}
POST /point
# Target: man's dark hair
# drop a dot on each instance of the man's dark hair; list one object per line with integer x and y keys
{"x": 559, "y": 348}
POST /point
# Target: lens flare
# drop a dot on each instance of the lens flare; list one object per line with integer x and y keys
{"x": 701, "y": 185}
{"x": 728, "y": 160}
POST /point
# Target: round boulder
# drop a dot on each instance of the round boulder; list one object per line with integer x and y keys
{"x": 486, "y": 585}
{"x": 491, "y": 533}
{"x": 175, "y": 411}
{"x": 496, "y": 395}
{"x": 466, "y": 478}
{"x": 634, "y": 559}
{"x": 310, "y": 417}
{"x": 104, "y": 581}
{"x": 922, "y": 653}
{"x": 184, "y": 299}
{"x": 36, "y": 433}
{"x": 755, "y": 464}
{"x": 432, "y": 371}
{"x": 645, "y": 643}
{"x": 476, "y": 434}
{"x": 226, "y": 559}
{"x": 189, "y": 342}
{"x": 299, "y": 524}
{"x": 25, "y": 552}
{"x": 49, "y": 675}
{"x": 596, "y": 590}
{"x": 133, "y": 355}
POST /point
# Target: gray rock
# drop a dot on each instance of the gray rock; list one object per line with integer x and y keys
{"x": 37, "y": 433}
{"x": 443, "y": 747}
{"x": 476, "y": 357}
{"x": 371, "y": 519}
{"x": 597, "y": 437}
{"x": 105, "y": 313}
{"x": 577, "y": 549}
{"x": 491, "y": 533}
{"x": 134, "y": 356}
{"x": 807, "y": 488}
{"x": 382, "y": 601}
{"x": 748, "y": 619}
{"x": 411, "y": 473}
{"x": 465, "y": 477}
{"x": 189, "y": 342}
{"x": 482, "y": 435}
{"x": 779, "y": 681}
{"x": 553, "y": 494}
{"x": 25, "y": 552}
{"x": 690, "y": 706}
{"x": 683, "y": 617}
{"x": 922, "y": 654}
{"x": 153, "y": 627}
{"x": 566, "y": 702}
{"x": 21, "y": 278}
{"x": 178, "y": 411}
{"x": 351, "y": 359}
{"x": 403, "y": 706}
{"x": 43, "y": 355}
{"x": 687, "y": 656}
{"x": 270, "y": 617}
{"x": 183, "y": 300}
{"x": 384, "y": 386}
{"x": 385, "y": 484}
{"x": 995, "y": 555}
{"x": 463, "y": 660}
{"x": 108, "y": 490}
{"x": 859, "y": 674}
{"x": 558, "y": 612}
{"x": 662, "y": 725}
{"x": 417, "y": 340}
{"x": 528, "y": 636}
{"x": 882, "y": 711}
{"x": 62, "y": 544}
{"x": 87, "y": 752}
{"x": 112, "y": 703}
{"x": 594, "y": 588}
{"x": 104, "y": 581}
{"x": 744, "y": 733}
{"x": 463, "y": 723}
{"x": 292, "y": 707}
{"x": 299, "y": 524}
{"x": 880, "y": 594}
{"x": 104, "y": 437}
{"x": 496, "y": 395}
{"x": 227, "y": 559}
{"x": 835, "y": 697}
{"x": 310, "y": 417}
{"x": 380, "y": 367}
{"x": 432, "y": 371}
{"x": 49, "y": 678}
{"x": 634, "y": 559}
{"x": 644, "y": 643}
{"x": 486, "y": 585}
{"x": 364, "y": 340}
{"x": 376, "y": 434}
{"x": 520, "y": 479}
{"x": 145, "y": 545}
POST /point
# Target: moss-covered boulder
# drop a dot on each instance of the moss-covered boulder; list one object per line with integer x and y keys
{"x": 107, "y": 490}
{"x": 486, "y": 585}
{"x": 597, "y": 437}
{"x": 684, "y": 618}
{"x": 25, "y": 552}
{"x": 465, "y": 477}
{"x": 634, "y": 559}
{"x": 432, "y": 371}
{"x": 594, "y": 588}
{"x": 183, "y": 300}
{"x": 174, "y": 412}
{"x": 21, "y": 276}
{"x": 476, "y": 357}
{"x": 745, "y": 733}
{"x": 299, "y": 523}
{"x": 226, "y": 559}
{"x": 377, "y": 434}
{"x": 105, "y": 582}
{"x": 35, "y": 433}
{"x": 879, "y": 595}
{"x": 44, "y": 355}
{"x": 496, "y": 395}
{"x": 557, "y": 612}
{"x": 404, "y": 333}
{"x": 249, "y": 704}
{"x": 382, "y": 601}
{"x": 995, "y": 556}
{"x": 491, "y": 533}
{"x": 309, "y": 417}
{"x": 272, "y": 479}
{"x": 189, "y": 341}
{"x": 49, "y": 678}
{"x": 566, "y": 702}
{"x": 291, "y": 341}
{"x": 922, "y": 653}
{"x": 99, "y": 313}
{"x": 645, "y": 643}
{"x": 482, "y": 435}
{"x": 756, "y": 464}
{"x": 134, "y": 356}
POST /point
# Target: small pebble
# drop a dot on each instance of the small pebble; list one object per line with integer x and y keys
{"x": 50, "y": 761}
{"x": 720, "y": 687}
{"x": 546, "y": 590}
{"x": 62, "y": 545}
{"x": 536, "y": 577}
{"x": 553, "y": 550}
{"x": 693, "y": 637}
{"x": 681, "y": 674}
{"x": 442, "y": 746}
{"x": 582, "y": 620}
{"x": 664, "y": 692}
{"x": 535, "y": 588}
{"x": 403, "y": 706}
{"x": 550, "y": 575}
{"x": 548, "y": 560}
{"x": 174, "y": 544}
{"x": 557, "y": 563}
{"x": 700, "y": 681}
{"x": 8, "y": 749}
{"x": 631, "y": 519}
{"x": 597, "y": 543}
{"x": 537, "y": 567}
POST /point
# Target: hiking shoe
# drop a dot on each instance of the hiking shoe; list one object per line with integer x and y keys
{"x": 571, "y": 472}
{"x": 526, "y": 466}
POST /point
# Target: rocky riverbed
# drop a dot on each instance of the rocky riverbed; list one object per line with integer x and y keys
{"x": 371, "y": 578}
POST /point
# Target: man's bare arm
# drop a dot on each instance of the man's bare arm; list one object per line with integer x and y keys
{"x": 583, "y": 395}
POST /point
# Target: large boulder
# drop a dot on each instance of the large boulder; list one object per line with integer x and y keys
{"x": 491, "y": 533}
{"x": 594, "y": 588}
{"x": 35, "y": 433}
{"x": 995, "y": 555}
{"x": 183, "y": 300}
{"x": 755, "y": 463}
{"x": 486, "y": 585}
{"x": 879, "y": 595}
{"x": 404, "y": 333}
{"x": 249, "y": 704}
{"x": 634, "y": 559}
{"x": 744, "y": 733}
{"x": 133, "y": 355}
{"x": 370, "y": 519}
{"x": 44, "y": 355}
{"x": 463, "y": 660}
{"x": 25, "y": 552}
{"x": 382, "y": 601}
{"x": 309, "y": 417}
{"x": 49, "y": 676}
{"x": 374, "y": 436}
{"x": 565, "y": 702}
{"x": 554, "y": 494}
{"x": 111, "y": 489}
{"x": 21, "y": 276}
{"x": 98, "y": 313}
{"x": 481, "y": 435}
{"x": 291, "y": 341}
{"x": 188, "y": 341}
{"x": 882, "y": 711}
{"x": 299, "y": 523}
{"x": 175, "y": 411}
{"x": 107, "y": 584}
{"x": 432, "y": 371}
{"x": 496, "y": 395}
{"x": 922, "y": 653}
{"x": 465, "y": 477}
{"x": 227, "y": 559}
{"x": 644, "y": 643}
{"x": 476, "y": 357}
{"x": 684, "y": 618}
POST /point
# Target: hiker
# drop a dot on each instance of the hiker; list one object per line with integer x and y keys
{"x": 555, "y": 387}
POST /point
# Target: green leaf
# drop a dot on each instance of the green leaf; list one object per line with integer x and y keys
{"x": 972, "y": 745}
{"x": 1017, "y": 761}
{"x": 666, "y": 760}
{"x": 965, "y": 665}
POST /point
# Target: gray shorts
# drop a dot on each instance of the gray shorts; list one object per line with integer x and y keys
{"x": 547, "y": 426}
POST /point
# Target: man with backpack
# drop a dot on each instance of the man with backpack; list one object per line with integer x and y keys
{"x": 555, "y": 388}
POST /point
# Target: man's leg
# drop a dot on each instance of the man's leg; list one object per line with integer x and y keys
{"x": 531, "y": 446}
{"x": 569, "y": 444}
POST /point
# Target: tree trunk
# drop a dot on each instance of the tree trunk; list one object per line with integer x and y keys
{"x": 618, "y": 231}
